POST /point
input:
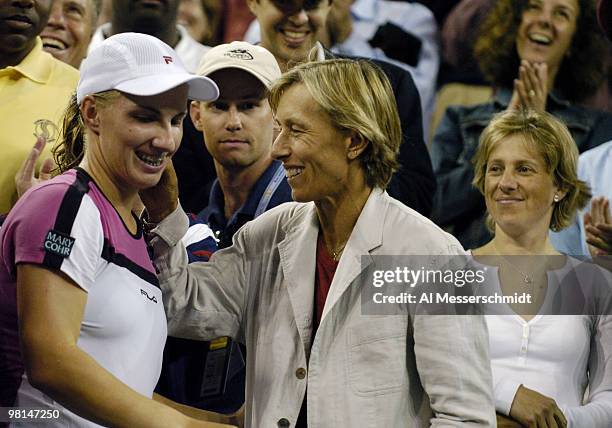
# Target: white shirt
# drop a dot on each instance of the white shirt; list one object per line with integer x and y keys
{"x": 188, "y": 49}
{"x": 124, "y": 325}
{"x": 556, "y": 355}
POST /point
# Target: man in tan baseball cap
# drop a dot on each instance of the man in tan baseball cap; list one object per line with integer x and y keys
{"x": 238, "y": 131}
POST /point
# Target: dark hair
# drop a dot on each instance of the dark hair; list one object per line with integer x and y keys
{"x": 580, "y": 74}
{"x": 71, "y": 148}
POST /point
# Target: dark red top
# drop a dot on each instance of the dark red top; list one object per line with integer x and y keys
{"x": 326, "y": 268}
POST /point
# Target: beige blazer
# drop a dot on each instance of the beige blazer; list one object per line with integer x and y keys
{"x": 359, "y": 371}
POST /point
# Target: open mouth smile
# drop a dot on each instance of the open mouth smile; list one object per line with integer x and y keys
{"x": 152, "y": 160}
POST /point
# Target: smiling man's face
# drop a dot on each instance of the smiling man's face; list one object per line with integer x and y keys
{"x": 290, "y": 28}
{"x": 69, "y": 30}
{"x": 20, "y": 23}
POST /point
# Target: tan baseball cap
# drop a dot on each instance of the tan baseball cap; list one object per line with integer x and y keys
{"x": 242, "y": 55}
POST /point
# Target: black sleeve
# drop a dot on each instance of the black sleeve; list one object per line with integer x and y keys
{"x": 195, "y": 169}
{"x": 414, "y": 184}
{"x": 397, "y": 44}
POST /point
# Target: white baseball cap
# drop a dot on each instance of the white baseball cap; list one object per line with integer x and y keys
{"x": 253, "y": 59}
{"x": 139, "y": 64}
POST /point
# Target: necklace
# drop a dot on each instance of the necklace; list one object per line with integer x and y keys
{"x": 335, "y": 254}
{"x": 527, "y": 279}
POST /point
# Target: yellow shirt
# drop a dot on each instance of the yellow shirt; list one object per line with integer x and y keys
{"x": 33, "y": 97}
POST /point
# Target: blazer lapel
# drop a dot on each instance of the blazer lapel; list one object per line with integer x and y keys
{"x": 366, "y": 236}
{"x": 298, "y": 258}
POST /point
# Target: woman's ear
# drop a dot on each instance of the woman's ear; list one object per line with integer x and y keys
{"x": 559, "y": 195}
{"x": 90, "y": 114}
{"x": 357, "y": 145}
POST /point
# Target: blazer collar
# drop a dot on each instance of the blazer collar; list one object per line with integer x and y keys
{"x": 297, "y": 253}
{"x": 367, "y": 235}
{"x": 298, "y": 257}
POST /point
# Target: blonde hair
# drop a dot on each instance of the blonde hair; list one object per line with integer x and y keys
{"x": 69, "y": 152}
{"x": 554, "y": 143}
{"x": 358, "y": 97}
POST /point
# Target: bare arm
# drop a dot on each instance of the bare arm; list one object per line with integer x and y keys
{"x": 50, "y": 308}
{"x": 203, "y": 415}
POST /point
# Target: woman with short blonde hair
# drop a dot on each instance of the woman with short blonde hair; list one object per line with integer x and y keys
{"x": 543, "y": 360}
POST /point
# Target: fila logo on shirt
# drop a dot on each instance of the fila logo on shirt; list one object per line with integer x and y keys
{"x": 144, "y": 293}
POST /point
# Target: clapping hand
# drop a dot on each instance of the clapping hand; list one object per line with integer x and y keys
{"x": 26, "y": 175}
{"x": 531, "y": 88}
{"x": 598, "y": 227}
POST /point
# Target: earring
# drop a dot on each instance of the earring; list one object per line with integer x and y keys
{"x": 556, "y": 198}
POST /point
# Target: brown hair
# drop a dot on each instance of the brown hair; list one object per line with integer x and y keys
{"x": 580, "y": 74}
{"x": 553, "y": 141}
{"x": 357, "y": 96}
{"x": 69, "y": 152}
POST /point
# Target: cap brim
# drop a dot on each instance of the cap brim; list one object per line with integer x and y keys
{"x": 201, "y": 88}
{"x": 210, "y": 70}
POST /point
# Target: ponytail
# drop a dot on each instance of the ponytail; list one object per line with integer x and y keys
{"x": 69, "y": 152}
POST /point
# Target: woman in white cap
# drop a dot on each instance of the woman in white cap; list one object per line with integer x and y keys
{"x": 77, "y": 289}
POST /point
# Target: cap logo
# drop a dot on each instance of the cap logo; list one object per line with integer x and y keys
{"x": 239, "y": 54}
{"x": 168, "y": 59}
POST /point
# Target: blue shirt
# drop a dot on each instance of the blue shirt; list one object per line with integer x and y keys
{"x": 594, "y": 167}
{"x": 214, "y": 213}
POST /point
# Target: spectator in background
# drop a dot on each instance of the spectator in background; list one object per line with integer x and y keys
{"x": 106, "y": 11}
{"x": 69, "y": 29}
{"x": 540, "y": 54}
{"x": 202, "y": 19}
{"x": 157, "y": 19}
{"x": 591, "y": 232}
{"x": 236, "y": 19}
{"x": 34, "y": 89}
{"x": 290, "y": 29}
{"x": 458, "y": 38}
{"x": 402, "y": 33}
{"x": 551, "y": 367}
